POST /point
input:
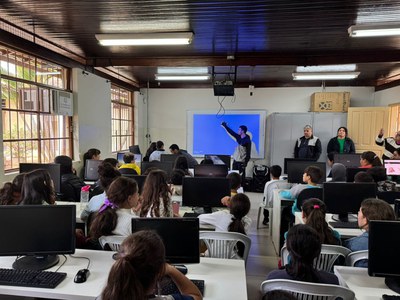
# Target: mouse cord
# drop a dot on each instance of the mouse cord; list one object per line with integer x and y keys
{"x": 65, "y": 259}
{"x": 82, "y": 257}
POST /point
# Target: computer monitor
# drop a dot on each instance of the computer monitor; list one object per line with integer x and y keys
{"x": 351, "y": 173}
{"x": 168, "y": 158}
{"x": 210, "y": 170}
{"x": 349, "y": 160}
{"x": 53, "y": 169}
{"x": 134, "y": 149}
{"x": 120, "y": 157}
{"x": 92, "y": 169}
{"x": 343, "y": 198}
{"x": 392, "y": 166}
{"x": 205, "y": 192}
{"x": 165, "y": 166}
{"x": 140, "y": 179}
{"x": 219, "y": 159}
{"x": 287, "y": 159}
{"x": 180, "y": 237}
{"x": 383, "y": 252}
{"x": 38, "y": 233}
{"x": 295, "y": 170}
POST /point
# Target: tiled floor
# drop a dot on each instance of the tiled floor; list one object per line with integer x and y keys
{"x": 262, "y": 258}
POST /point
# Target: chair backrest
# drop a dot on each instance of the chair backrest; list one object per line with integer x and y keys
{"x": 270, "y": 186}
{"x": 223, "y": 244}
{"x": 307, "y": 290}
{"x": 388, "y": 196}
{"x": 356, "y": 256}
{"x": 327, "y": 258}
{"x": 307, "y": 194}
{"x": 111, "y": 242}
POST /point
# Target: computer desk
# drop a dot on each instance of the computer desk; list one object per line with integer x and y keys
{"x": 276, "y": 218}
{"x": 364, "y": 286}
{"x": 344, "y": 232}
{"x": 224, "y": 278}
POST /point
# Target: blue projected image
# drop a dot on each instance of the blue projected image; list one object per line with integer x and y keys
{"x": 209, "y": 137}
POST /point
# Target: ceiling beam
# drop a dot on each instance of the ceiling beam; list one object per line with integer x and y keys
{"x": 251, "y": 59}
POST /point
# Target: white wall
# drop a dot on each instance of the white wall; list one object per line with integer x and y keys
{"x": 386, "y": 97}
{"x": 167, "y": 107}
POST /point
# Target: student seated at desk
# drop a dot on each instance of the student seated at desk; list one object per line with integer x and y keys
{"x": 129, "y": 166}
{"x": 107, "y": 174}
{"x": 311, "y": 176}
{"x": 97, "y": 188}
{"x": 235, "y": 182}
{"x": 176, "y": 181}
{"x": 381, "y": 180}
{"x": 10, "y": 193}
{"x": 371, "y": 209}
{"x": 140, "y": 264}
{"x": 38, "y": 188}
{"x": 313, "y": 213}
{"x": 369, "y": 159}
{"x": 181, "y": 163}
{"x": 156, "y": 196}
{"x": 304, "y": 245}
{"x": 114, "y": 216}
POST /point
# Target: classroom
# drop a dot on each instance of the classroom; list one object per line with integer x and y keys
{"x": 113, "y": 99}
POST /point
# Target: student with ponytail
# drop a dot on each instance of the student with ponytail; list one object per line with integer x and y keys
{"x": 140, "y": 264}
{"x": 369, "y": 159}
{"x": 303, "y": 244}
{"x": 313, "y": 213}
{"x": 114, "y": 216}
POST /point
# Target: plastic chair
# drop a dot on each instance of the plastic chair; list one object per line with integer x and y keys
{"x": 111, "y": 242}
{"x": 356, "y": 256}
{"x": 327, "y": 258}
{"x": 307, "y": 194}
{"x": 223, "y": 244}
{"x": 307, "y": 290}
{"x": 281, "y": 184}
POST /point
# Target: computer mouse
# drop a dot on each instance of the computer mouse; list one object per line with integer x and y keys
{"x": 182, "y": 269}
{"x": 81, "y": 276}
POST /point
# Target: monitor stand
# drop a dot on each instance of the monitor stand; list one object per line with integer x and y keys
{"x": 31, "y": 262}
{"x": 393, "y": 283}
{"x": 348, "y": 218}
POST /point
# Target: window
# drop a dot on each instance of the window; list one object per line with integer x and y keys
{"x": 121, "y": 118}
{"x": 31, "y": 133}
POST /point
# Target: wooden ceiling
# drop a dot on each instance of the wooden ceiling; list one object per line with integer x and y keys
{"x": 268, "y": 39}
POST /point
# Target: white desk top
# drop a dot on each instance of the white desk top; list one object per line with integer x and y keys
{"x": 344, "y": 232}
{"x": 364, "y": 286}
{"x": 224, "y": 279}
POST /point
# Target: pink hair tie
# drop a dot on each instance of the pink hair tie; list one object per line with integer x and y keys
{"x": 316, "y": 206}
{"x": 107, "y": 203}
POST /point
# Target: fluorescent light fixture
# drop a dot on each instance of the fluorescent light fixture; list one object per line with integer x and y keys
{"x": 145, "y": 39}
{"x": 325, "y": 75}
{"x": 182, "y": 70}
{"x": 375, "y": 29}
{"x": 176, "y": 77}
{"x": 327, "y": 68}
{"x": 49, "y": 73}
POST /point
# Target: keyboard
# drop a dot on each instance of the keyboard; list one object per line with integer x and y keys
{"x": 31, "y": 278}
{"x": 390, "y": 297}
{"x": 190, "y": 215}
{"x": 339, "y": 224}
{"x": 168, "y": 287}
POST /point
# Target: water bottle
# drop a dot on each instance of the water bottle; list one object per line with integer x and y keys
{"x": 84, "y": 196}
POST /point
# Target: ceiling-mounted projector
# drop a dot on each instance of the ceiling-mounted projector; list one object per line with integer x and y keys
{"x": 223, "y": 88}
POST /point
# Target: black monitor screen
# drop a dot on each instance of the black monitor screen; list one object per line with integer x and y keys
{"x": 345, "y": 197}
{"x": 180, "y": 237}
{"x": 348, "y": 160}
{"x": 210, "y": 170}
{"x": 35, "y": 231}
{"x": 140, "y": 179}
{"x": 219, "y": 159}
{"x": 92, "y": 169}
{"x": 205, "y": 192}
{"x": 351, "y": 173}
{"x": 296, "y": 169}
{"x": 287, "y": 159}
{"x": 168, "y": 158}
{"x": 383, "y": 252}
{"x": 165, "y": 166}
{"x": 134, "y": 149}
{"x": 53, "y": 169}
{"x": 392, "y": 166}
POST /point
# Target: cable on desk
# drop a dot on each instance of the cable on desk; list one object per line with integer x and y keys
{"x": 82, "y": 257}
